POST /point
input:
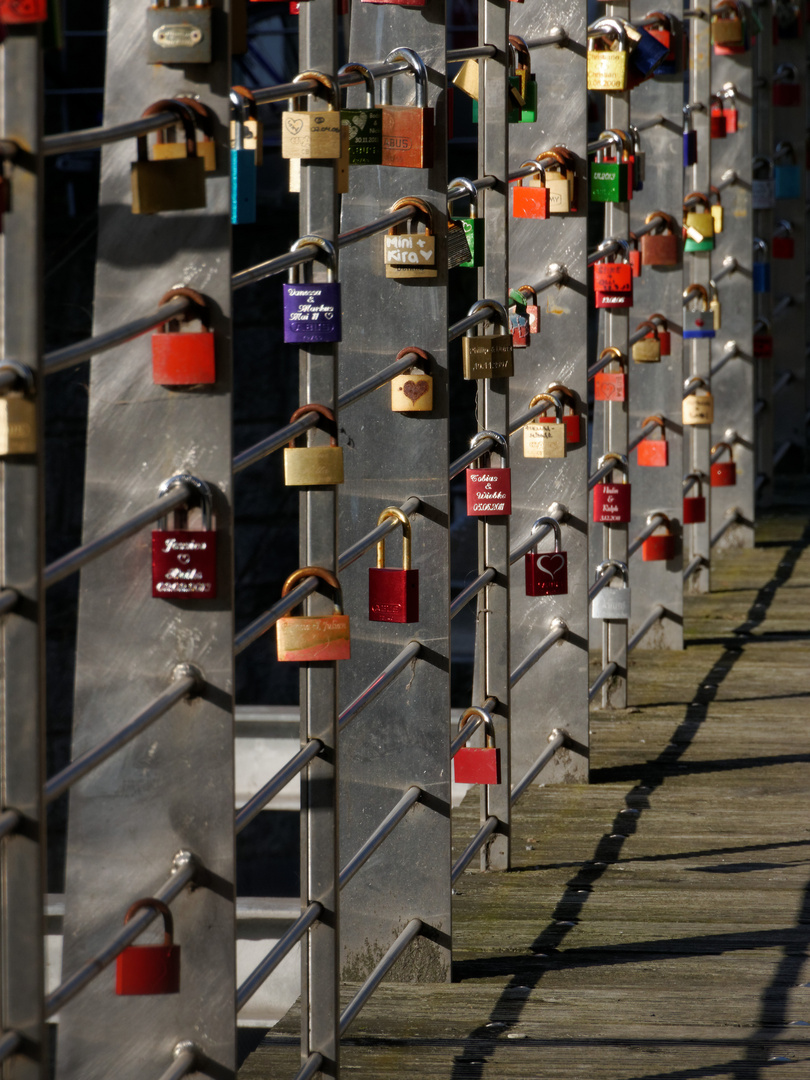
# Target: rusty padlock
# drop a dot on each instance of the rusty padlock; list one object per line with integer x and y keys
{"x": 407, "y": 130}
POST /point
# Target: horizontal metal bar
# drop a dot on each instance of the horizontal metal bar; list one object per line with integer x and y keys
{"x": 291, "y": 936}
{"x": 9, "y": 1042}
{"x": 93, "y": 138}
{"x": 594, "y": 479}
{"x": 656, "y": 614}
{"x": 9, "y": 820}
{"x": 282, "y": 607}
{"x": 274, "y": 785}
{"x": 8, "y": 600}
{"x": 594, "y": 369}
{"x": 460, "y": 328}
{"x": 730, "y": 264}
{"x": 733, "y": 519}
{"x": 762, "y": 324}
{"x": 182, "y": 1065}
{"x": 187, "y": 685}
{"x": 260, "y": 450}
{"x": 555, "y": 740}
{"x": 374, "y": 382}
{"x": 310, "y": 1067}
{"x": 539, "y": 650}
{"x": 551, "y": 39}
{"x": 641, "y": 435}
{"x": 473, "y": 589}
{"x": 363, "y": 232}
{"x": 353, "y": 553}
{"x": 528, "y": 416}
{"x": 282, "y": 91}
{"x": 471, "y": 53}
{"x": 602, "y": 581}
{"x": 613, "y": 248}
{"x": 654, "y": 121}
{"x": 643, "y": 535}
{"x": 695, "y": 564}
{"x": 556, "y": 511}
{"x": 474, "y": 845}
{"x": 386, "y": 826}
{"x": 637, "y": 335}
{"x": 412, "y": 930}
{"x": 276, "y": 265}
{"x": 480, "y": 182}
{"x": 384, "y": 679}
{"x": 183, "y": 873}
{"x": 80, "y": 556}
{"x": 60, "y": 359}
{"x": 461, "y": 463}
{"x": 601, "y": 678}
{"x": 781, "y": 305}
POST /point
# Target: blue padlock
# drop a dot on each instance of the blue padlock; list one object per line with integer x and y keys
{"x": 243, "y": 169}
{"x": 690, "y": 147}
{"x": 312, "y": 309}
{"x": 666, "y": 30}
{"x": 761, "y": 270}
{"x": 648, "y": 54}
{"x": 786, "y": 175}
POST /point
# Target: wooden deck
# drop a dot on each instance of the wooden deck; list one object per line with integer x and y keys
{"x": 657, "y": 921}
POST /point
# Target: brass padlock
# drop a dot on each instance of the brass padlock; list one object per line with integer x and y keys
{"x": 488, "y": 357}
{"x": 697, "y": 411}
{"x": 413, "y": 390}
{"x": 716, "y": 209}
{"x": 341, "y": 166}
{"x": 560, "y": 180}
{"x": 252, "y": 127}
{"x": 173, "y": 184}
{"x": 312, "y": 134}
{"x": 314, "y": 466}
{"x": 178, "y": 34}
{"x": 206, "y": 146}
{"x": 18, "y": 412}
{"x": 467, "y": 78}
{"x": 714, "y": 304}
{"x": 648, "y": 350}
{"x": 411, "y": 255}
{"x": 308, "y": 638}
{"x": 542, "y": 439}
{"x": 607, "y": 66}
{"x": 699, "y": 224}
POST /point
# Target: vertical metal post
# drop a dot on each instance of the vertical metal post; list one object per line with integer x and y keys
{"x": 319, "y": 683}
{"x": 22, "y": 703}
{"x": 762, "y": 113}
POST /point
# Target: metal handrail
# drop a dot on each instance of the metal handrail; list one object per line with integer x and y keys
{"x": 556, "y": 739}
{"x": 376, "y": 687}
{"x": 467, "y": 856}
{"x": 383, "y": 830}
{"x": 470, "y": 591}
{"x": 657, "y": 613}
{"x": 9, "y": 820}
{"x": 559, "y": 631}
{"x": 601, "y": 678}
{"x": 254, "y": 806}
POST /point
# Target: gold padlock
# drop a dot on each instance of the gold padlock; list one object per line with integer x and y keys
{"x": 714, "y": 304}
{"x": 341, "y": 167}
{"x": 699, "y": 225}
{"x": 698, "y": 411}
{"x": 308, "y": 638}
{"x": 174, "y": 183}
{"x": 411, "y": 255}
{"x": 18, "y": 412}
{"x": 560, "y": 179}
{"x": 716, "y": 209}
{"x": 648, "y": 350}
{"x": 606, "y": 66}
{"x": 488, "y": 357}
{"x": 206, "y": 146}
{"x": 466, "y": 78}
{"x": 252, "y": 127}
{"x": 542, "y": 439}
{"x": 413, "y": 390}
{"x": 313, "y": 466}
{"x": 312, "y": 134}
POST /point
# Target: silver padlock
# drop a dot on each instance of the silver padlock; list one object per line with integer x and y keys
{"x": 612, "y": 602}
{"x": 178, "y": 34}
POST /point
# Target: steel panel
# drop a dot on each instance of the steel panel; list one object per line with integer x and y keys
{"x": 762, "y": 114}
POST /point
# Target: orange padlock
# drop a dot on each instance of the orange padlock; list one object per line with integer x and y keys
{"x": 653, "y": 452}
{"x": 184, "y": 357}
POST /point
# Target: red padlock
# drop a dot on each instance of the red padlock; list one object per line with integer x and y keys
{"x": 664, "y": 335}
{"x": 489, "y": 491}
{"x": 730, "y": 111}
{"x": 653, "y": 452}
{"x": 570, "y": 417}
{"x": 393, "y": 595}
{"x": 717, "y": 120}
{"x": 547, "y": 573}
{"x": 613, "y": 282}
{"x": 694, "y": 506}
{"x": 149, "y": 969}
{"x": 611, "y": 502}
{"x": 786, "y": 90}
{"x": 184, "y": 357}
{"x": 634, "y": 256}
{"x": 184, "y": 561}
{"x": 783, "y": 245}
{"x": 661, "y": 247}
{"x": 659, "y": 548}
{"x": 532, "y": 201}
{"x": 477, "y": 765}
{"x": 723, "y": 473}
{"x": 610, "y": 385}
{"x": 23, "y": 11}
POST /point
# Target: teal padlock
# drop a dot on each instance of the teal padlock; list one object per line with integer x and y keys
{"x": 608, "y": 179}
{"x": 364, "y": 125}
{"x": 787, "y": 180}
{"x": 243, "y": 169}
{"x": 473, "y": 225}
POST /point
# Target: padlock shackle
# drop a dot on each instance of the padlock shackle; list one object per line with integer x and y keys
{"x": 667, "y": 222}
{"x": 203, "y": 117}
{"x": 368, "y": 80}
{"x": 730, "y": 91}
{"x": 604, "y": 26}
{"x": 652, "y": 326}
{"x": 554, "y": 525}
{"x": 617, "y": 141}
{"x": 497, "y": 437}
{"x": 698, "y": 477}
{"x": 419, "y": 204}
{"x": 404, "y": 520}
{"x": 617, "y": 354}
{"x": 416, "y": 351}
{"x": 716, "y": 100}
{"x": 716, "y": 192}
{"x": 466, "y": 185}
{"x": 760, "y": 247}
{"x": 663, "y": 520}
{"x": 717, "y": 446}
{"x": 499, "y": 310}
{"x": 326, "y": 246}
{"x": 621, "y": 460}
{"x": 784, "y": 149}
{"x": 489, "y": 727}
{"x": 324, "y": 411}
{"x": 568, "y": 396}
{"x": 785, "y": 73}
{"x": 700, "y": 198}
{"x": 783, "y": 228}
{"x": 248, "y": 99}
{"x": 558, "y": 406}
{"x": 608, "y": 563}
{"x": 626, "y": 139}
{"x": 657, "y": 317}
{"x": 162, "y": 909}
{"x": 530, "y": 289}
{"x": 420, "y": 76}
{"x": 659, "y": 16}
{"x": 659, "y": 420}
{"x": 184, "y": 115}
{"x": 203, "y": 494}
{"x": 536, "y": 167}
{"x": 692, "y": 384}
{"x": 520, "y": 48}
{"x": 608, "y": 242}
{"x": 560, "y": 156}
{"x": 758, "y": 163}
{"x": 696, "y": 290}
{"x": 327, "y": 82}
{"x": 198, "y": 309}
{"x": 318, "y": 572}
{"x": 23, "y": 373}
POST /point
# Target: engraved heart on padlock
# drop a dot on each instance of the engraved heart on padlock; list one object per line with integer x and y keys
{"x": 550, "y": 564}
{"x": 293, "y": 126}
{"x": 319, "y": 120}
{"x": 360, "y": 120}
{"x": 414, "y": 390}
{"x": 184, "y": 559}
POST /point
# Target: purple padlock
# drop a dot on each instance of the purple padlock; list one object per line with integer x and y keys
{"x": 312, "y": 310}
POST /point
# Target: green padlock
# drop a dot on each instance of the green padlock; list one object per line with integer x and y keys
{"x": 473, "y": 225}
{"x": 609, "y": 178}
{"x": 364, "y": 125}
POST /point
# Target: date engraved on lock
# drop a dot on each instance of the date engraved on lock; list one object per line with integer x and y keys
{"x": 177, "y": 36}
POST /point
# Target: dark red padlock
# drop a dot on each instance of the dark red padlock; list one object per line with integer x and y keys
{"x": 477, "y": 765}
{"x": 489, "y": 491}
{"x": 547, "y": 573}
{"x": 783, "y": 245}
{"x": 664, "y": 335}
{"x": 717, "y": 120}
{"x": 393, "y": 595}
{"x": 723, "y": 473}
{"x": 23, "y": 11}
{"x": 570, "y": 417}
{"x": 611, "y": 502}
{"x": 184, "y": 561}
{"x": 763, "y": 346}
{"x": 610, "y": 385}
{"x": 634, "y": 258}
{"x": 694, "y": 506}
{"x": 659, "y": 548}
{"x": 613, "y": 284}
{"x": 786, "y": 90}
{"x": 184, "y": 357}
{"x": 149, "y": 969}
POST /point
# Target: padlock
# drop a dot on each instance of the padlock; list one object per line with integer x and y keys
{"x": 783, "y": 245}
{"x": 626, "y": 156}
{"x": 560, "y": 167}
{"x": 612, "y": 602}
{"x": 411, "y": 255}
{"x": 314, "y": 466}
{"x": 302, "y": 639}
{"x": 610, "y": 385}
{"x": 634, "y": 256}
{"x": 608, "y": 177}
{"x": 661, "y": 247}
{"x": 786, "y": 90}
{"x": 690, "y": 143}
{"x": 664, "y": 334}
{"x": 473, "y": 764}
{"x": 530, "y": 197}
{"x": 413, "y": 390}
{"x": 570, "y": 418}
{"x": 173, "y": 184}
{"x": 547, "y": 574}
{"x": 664, "y": 31}
{"x": 606, "y": 66}
{"x": 714, "y": 305}
{"x": 659, "y": 548}
{"x": 731, "y": 114}
{"x": 694, "y": 506}
{"x": 717, "y": 119}
{"x": 698, "y": 411}
{"x": 184, "y": 561}
{"x": 761, "y": 268}
{"x": 178, "y": 35}
{"x": 399, "y": 3}
{"x": 312, "y": 310}
{"x": 727, "y": 30}
{"x": 787, "y": 178}
{"x": 243, "y": 169}
{"x": 541, "y": 438}
{"x": 149, "y": 969}
{"x": 648, "y": 349}
{"x": 646, "y": 56}
{"x": 723, "y": 473}
{"x": 316, "y": 134}
{"x": 252, "y": 127}
{"x": 613, "y": 281}
{"x": 18, "y": 412}
{"x": 653, "y": 453}
{"x": 532, "y": 310}
{"x": 13, "y": 12}
{"x": 393, "y": 595}
{"x": 473, "y": 225}
{"x": 518, "y": 321}
{"x": 639, "y": 160}
{"x": 762, "y": 186}
{"x": 488, "y": 356}
{"x": 489, "y": 490}
{"x": 699, "y": 224}
{"x": 456, "y": 246}
{"x": 611, "y": 502}
{"x": 167, "y": 144}
{"x": 697, "y": 323}
{"x": 467, "y": 79}
{"x": 407, "y": 129}
{"x": 181, "y": 354}
{"x": 716, "y": 210}
{"x": 363, "y": 125}
{"x": 521, "y": 66}
{"x": 763, "y": 346}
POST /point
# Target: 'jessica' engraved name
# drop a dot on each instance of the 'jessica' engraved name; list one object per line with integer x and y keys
{"x": 184, "y": 545}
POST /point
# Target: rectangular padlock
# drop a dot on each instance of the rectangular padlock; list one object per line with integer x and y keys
{"x": 612, "y": 602}
{"x": 489, "y": 492}
{"x": 544, "y": 439}
{"x": 393, "y": 594}
{"x": 477, "y": 765}
{"x": 653, "y": 453}
{"x": 313, "y": 638}
{"x": 694, "y": 509}
{"x": 149, "y": 969}
{"x": 547, "y": 572}
{"x": 18, "y": 425}
{"x": 609, "y": 386}
{"x": 611, "y": 502}
{"x": 13, "y": 12}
